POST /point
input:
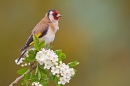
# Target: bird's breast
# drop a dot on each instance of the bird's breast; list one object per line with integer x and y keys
{"x": 49, "y": 37}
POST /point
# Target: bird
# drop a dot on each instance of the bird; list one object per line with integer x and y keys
{"x": 45, "y": 30}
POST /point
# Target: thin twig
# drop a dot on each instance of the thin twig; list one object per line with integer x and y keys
{"x": 20, "y": 77}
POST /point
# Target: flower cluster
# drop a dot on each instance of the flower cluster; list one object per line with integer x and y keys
{"x": 47, "y": 57}
{"x": 36, "y": 84}
{"x": 50, "y": 60}
{"x": 64, "y": 72}
{"x": 46, "y": 65}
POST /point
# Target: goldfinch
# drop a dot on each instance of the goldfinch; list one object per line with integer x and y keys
{"x": 44, "y": 30}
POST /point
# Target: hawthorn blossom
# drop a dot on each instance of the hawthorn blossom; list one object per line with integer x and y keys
{"x": 64, "y": 72}
{"x": 36, "y": 84}
{"x": 47, "y": 57}
{"x": 55, "y": 70}
{"x": 40, "y": 57}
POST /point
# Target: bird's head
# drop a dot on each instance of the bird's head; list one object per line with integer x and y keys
{"x": 53, "y": 15}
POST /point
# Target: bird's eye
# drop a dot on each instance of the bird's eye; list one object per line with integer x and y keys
{"x": 54, "y": 14}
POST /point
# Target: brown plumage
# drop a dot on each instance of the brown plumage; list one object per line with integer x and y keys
{"x": 44, "y": 30}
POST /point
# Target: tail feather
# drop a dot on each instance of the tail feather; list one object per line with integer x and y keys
{"x": 24, "y": 47}
{"x": 21, "y": 55}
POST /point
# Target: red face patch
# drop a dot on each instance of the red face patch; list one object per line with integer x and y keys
{"x": 55, "y": 13}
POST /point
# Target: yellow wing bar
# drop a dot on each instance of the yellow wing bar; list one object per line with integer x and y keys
{"x": 39, "y": 34}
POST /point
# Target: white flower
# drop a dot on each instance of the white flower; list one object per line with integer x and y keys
{"x": 28, "y": 63}
{"x": 55, "y": 58}
{"x": 62, "y": 81}
{"x": 48, "y": 65}
{"x": 55, "y": 70}
{"x": 36, "y": 84}
{"x": 72, "y": 71}
{"x": 66, "y": 74}
{"x": 63, "y": 67}
{"x": 40, "y": 57}
{"x": 47, "y": 57}
{"x": 33, "y": 83}
{"x": 68, "y": 79}
{"x": 22, "y": 65}
{"x": 25, "y": 64}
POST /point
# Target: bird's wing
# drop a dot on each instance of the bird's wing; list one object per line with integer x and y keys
{"x": 39, "y": 31}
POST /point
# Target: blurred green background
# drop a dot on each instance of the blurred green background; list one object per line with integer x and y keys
{"x": 94, "y": 32}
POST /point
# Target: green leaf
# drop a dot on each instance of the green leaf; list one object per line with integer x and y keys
{"x": 45, "y": 84}
{"x": 41, "y": 45}
{"x": 42, "y": 71}
{"x": 36, "y": 46}
{"x": 51, "y": 76}
{"x": 31, "y": 58}
{"x": 36, "y": 70}
{"x": 44, "y": 81}
{"x": 60, "y": 54}
{"x": 26, "y": 77}
{"x": 33, "y": 78}
{"x": 72, "y": 64}
{"x": 39, "y": 75}
{"x": 36, "y": 42}
{"x": 32, "y": 52}
{"x": 22, "y": 71}
{"x": 58, "y": 51}
{"x": 56, "y": 79}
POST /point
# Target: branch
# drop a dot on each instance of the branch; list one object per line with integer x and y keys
{"x": 20, "y": 77}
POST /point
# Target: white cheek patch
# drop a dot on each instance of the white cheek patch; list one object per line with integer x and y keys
{"x": 52, "y": 18}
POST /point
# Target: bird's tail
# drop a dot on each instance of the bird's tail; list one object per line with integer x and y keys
{"x": 23, "y": 52}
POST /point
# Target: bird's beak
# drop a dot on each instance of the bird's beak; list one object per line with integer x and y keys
{"x": 58, "y": 15}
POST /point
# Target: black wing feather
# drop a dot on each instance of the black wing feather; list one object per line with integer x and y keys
{"x": 30, "y": 39}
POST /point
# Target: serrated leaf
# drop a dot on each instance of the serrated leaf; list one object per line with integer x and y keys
{"x": 33, "y": 78}
{"x": 30, "y": 52}
{"x": 51, "y": 76}
{"x": 44, "y": 81}
{"x": 36, "y": 42}
{"x": 22, "y": 71}
{"x": 26, "y": 77}
{"x": 39, "y": 75}
{"x": 36, "y": 46}
{"x": 31, "y": 58}
{"x": 72, "y": 64}
{"x": 41, "y": 45}
{"x": 60, "y": 54}
{"x": 43, "y": 72}
{"x": 58, "y": 51}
